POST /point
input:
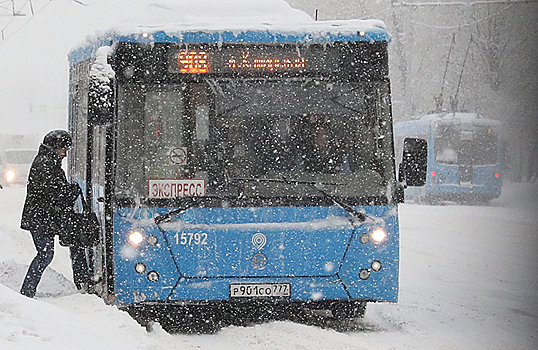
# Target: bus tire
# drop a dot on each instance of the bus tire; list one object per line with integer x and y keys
{"x": 191, "y": 320}
{"x": 348, "y": 309}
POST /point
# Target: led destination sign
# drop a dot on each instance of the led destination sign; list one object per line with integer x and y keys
{"x": 270, "y": 64}
{"x": 232, "y": 60}
{"x": 360, "y": 60}
{"x": 193, "y": 61}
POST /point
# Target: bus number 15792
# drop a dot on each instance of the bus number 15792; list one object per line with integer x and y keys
{"x": 190, "y": 238}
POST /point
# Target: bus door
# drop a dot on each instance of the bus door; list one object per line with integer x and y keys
{"x": 99, "y": 196}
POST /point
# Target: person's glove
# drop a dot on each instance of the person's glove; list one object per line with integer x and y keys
{"x": 77, "y": 189}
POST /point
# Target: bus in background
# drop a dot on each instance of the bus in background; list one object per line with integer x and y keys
{"x": 239, "y": 173}
{"x": 464, "y": 157}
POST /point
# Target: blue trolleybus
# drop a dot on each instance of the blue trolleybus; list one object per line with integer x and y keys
{"x": 464, "y": 157}
{"x": 241, "y": 173}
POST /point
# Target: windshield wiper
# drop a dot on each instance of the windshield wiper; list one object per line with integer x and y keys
{"x": 360, "y": 216}
{"x": 165, "y": 217}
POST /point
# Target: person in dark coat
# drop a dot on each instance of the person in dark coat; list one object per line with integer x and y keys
{"x": 48, "y": 198}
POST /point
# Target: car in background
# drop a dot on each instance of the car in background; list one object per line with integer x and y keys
{"x": 15, "y": 165}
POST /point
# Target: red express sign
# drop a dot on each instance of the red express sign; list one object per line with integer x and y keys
{"x": 174, "y": 188}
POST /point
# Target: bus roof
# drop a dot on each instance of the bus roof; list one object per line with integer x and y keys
{"x": 421, "y": 124}
{"x": 228, "y": 21}
{"x": 457, "y": 117}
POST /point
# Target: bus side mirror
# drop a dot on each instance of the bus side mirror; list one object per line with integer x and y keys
{"x": 413, "y": 168}
{"x": 101, "y": 89}
{"x": 100, "y": 101}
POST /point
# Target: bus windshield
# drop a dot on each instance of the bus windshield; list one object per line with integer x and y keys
{"x": 465, "y": 145}
{"x": 257, "y": 138}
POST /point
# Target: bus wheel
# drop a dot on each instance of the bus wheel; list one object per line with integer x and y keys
{"x": 191, "y": 320}
{"x": 353, "y": 309}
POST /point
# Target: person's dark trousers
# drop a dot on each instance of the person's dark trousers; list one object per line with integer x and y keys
{"x": 44, "y": 244}
{"x": 79, "y": 264}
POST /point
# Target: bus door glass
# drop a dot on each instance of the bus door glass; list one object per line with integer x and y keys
{"x": 164, "y": 133}
{"x": 98, "y": 186}
{"x": 98, "y": 167}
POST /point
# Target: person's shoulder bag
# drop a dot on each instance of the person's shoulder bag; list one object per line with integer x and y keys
{"x": 80, "y": 229}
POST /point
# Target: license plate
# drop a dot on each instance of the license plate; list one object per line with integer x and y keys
{"x": 259, "y": 290}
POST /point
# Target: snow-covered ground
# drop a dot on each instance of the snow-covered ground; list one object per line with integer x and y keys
{"x": 469, "y": 280}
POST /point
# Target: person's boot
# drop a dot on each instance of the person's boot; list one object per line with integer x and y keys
{"x": 27, "y": 293}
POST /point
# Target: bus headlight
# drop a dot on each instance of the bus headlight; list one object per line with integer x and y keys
{"x": 10, "y": 175}
{"x": 376, "y": 265}
{"x": 136, "y": 238}
{"x": 140, "y": 268}
{"x": 379, "y": 235}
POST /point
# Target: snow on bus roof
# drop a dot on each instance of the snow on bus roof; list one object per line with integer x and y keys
{"x": 421, "y": 124}
{"x": 234, "y": 15}
{"x": 216, "y": 14}
{"x": 458, "y": 116}
{"x": 215, "y": 21}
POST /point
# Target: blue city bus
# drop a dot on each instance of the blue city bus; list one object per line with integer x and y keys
{"x": 464, "y": 157}
{"x": 239, "y": 174}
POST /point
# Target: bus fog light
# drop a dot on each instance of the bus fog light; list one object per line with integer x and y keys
{"x": 153, "y": 276}
{"x": 136, "y": 238}
{"x": 152, "y": 240}
{"x": 364, "y": 274}
{"x": 364, "y": 238}
{"x": 379, "y": 235}
{"x": 376, "y": 265}
{"x": 140, "y": 268}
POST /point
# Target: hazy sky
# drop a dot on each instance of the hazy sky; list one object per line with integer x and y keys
{"x": 33, "y": 58}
